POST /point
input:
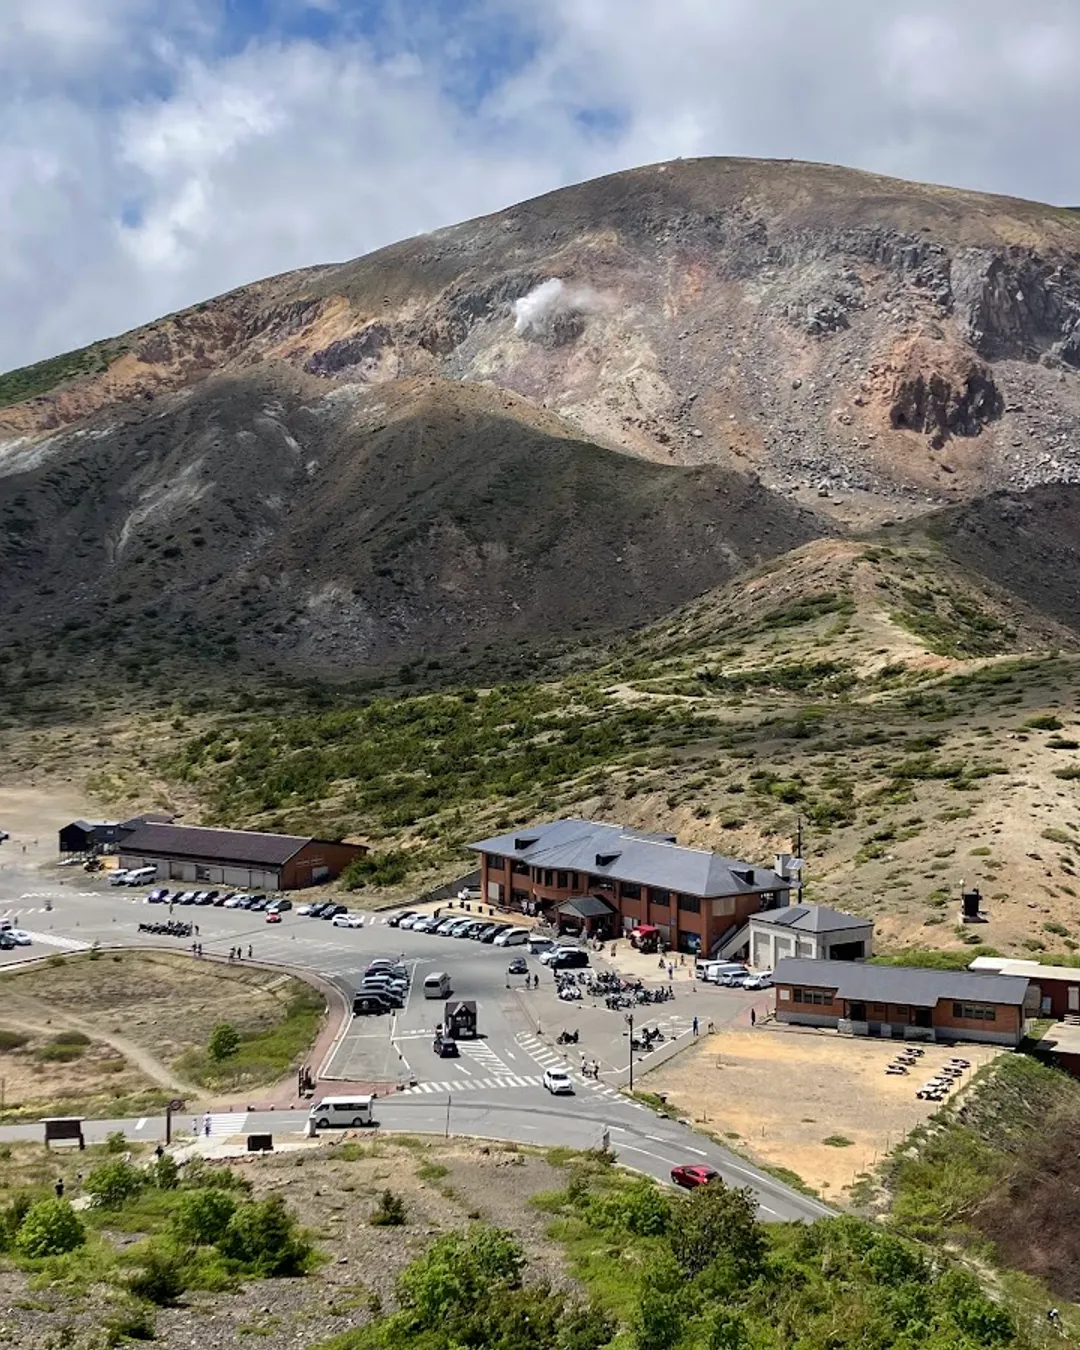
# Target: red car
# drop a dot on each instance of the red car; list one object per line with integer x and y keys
{"x": 273, "y": 917}
{"x": 693, "y": 1175}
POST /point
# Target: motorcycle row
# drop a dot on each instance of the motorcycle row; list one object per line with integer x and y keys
{"x": 173, "y": 928}
{"x": 617, "y": 993}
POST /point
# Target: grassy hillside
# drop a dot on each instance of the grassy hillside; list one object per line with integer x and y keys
{"x": 29, "y": 381}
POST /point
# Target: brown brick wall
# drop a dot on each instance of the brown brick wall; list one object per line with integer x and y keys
{"x": 336, "y": 857}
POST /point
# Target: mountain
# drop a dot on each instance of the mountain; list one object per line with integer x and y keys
{"x": 575, "y": 413}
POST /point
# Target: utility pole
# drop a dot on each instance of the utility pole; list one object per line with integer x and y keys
{"x": 630, "y": 1023}
{"x": 449, "y": 1099}
{"x": 799, "y": 856}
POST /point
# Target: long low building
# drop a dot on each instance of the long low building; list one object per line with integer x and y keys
{"x": 1058, "y": 986}
{"x": 610, "y": 879}
{"x": 903, "y": 1001}
{"x": 277, "y": 862}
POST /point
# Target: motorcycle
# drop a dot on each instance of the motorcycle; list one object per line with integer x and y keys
{"x": 566, "y": 1038}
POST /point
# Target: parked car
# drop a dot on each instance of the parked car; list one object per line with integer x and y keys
{"x": 394, "y": 921}
{"x": 371, "y": 1001}
{"x": 158, "y": 896}
{"x": 569, "y": 959}
{"x": 186, "y": 898}
{"x": 443, "y": 927}
{"x": 410, "y": 920}
{"x": 203, "y": 898}
{"x": 734, "y": 980}
{"x": 223, "y": 898}
{"x": 391, "y": 967}
{"x": 280, "y": 905}
{"x": 394, "y": 996}
{"x": 388, "y": 982}
{"x": 21, "y": 938}
{"x": 272, "y": 916}
{"x": 493, "y": 932}
{"x": 558, "y": 1081}
{"x": 546, "y": 957}
{"x": 245, "y": 902}
{"x": 762, "y": 980}
{"x": 512, "y": 937}
{"x": 233, "y": 901}
{"x": 539, "y": 944}
{"x": 304, "y": 909}
{"x": 331, "y": 911}
{"x": 481, "y": 929}
{"x": 258, "y": 905}
{"x": 7, "y": 942}
{"x": 348, "y": 920}
{"x": 315, "y": 910}
{"x": 446, "y": 1047}
{"x": 119, "y": 877}
{"x": 692, "y": 1175}
{"x": 470, "y": 928}
{"x": 426, "y": 923}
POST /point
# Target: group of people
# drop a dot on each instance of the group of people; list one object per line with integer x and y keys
{"x": 237, "y": 953}
{"x": 206, "y": 1123}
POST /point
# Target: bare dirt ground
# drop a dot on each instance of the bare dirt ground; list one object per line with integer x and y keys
{"x": 780, "y": 1094}
{"x": 151, "y": 1008}
{"x": 333, "y": 1189}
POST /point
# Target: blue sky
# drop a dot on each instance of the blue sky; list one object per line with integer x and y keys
{"x": 155, "y": 152}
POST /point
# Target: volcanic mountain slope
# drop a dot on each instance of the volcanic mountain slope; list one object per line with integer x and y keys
{"x": 262, "y": 515}
{"x": 869, "y": 348}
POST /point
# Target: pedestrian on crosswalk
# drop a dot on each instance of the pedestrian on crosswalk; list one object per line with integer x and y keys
{"x": 206, "y": 1124}
{"x": 195, "y": 1126}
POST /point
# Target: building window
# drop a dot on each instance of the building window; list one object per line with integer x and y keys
{"x": 202, "y": 873}
{"x": 564, "y": 881}
{"x": 902, "y": 1010}
{"x": 690, "y": 903}
{"x": 495, "y": 862}
{"x": 975, "y": 1012}
{"x": 629, "y": 890}
{"x": 519, "y": 868}
{"x": 658, "y": 897}
{"x": 814, "y": 996}
{"x": 601, "y": 884}
{"x": 520, "y": 898}
{"x": 574, "y": 882}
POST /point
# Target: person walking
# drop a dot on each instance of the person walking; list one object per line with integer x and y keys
{"x": 195, "y": 1126}
{"x": 59, "y": 1188}
{"x": 670, "y": 972}
{"x": 250, "y": 951}
{"x": 695, "y": 1025}
{"x": 753, "y": 1017}
{"x": 206, "y": 1125}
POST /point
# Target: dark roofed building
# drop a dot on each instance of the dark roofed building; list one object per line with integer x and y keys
{"x": 903, "y": 1001}
{"x": 83, "y": 836}
{"x": 247, "y": 858}
{"x": 694, "y": 898}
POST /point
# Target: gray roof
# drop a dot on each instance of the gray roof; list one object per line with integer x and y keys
{"x": 587, "y": 906}
{"x": 230, "y": 846}
{"x": 812, "y": 919}
{"x": 899, "y": 984}
{"x": 91, "y": 824}
{"x": 630, "y": 855}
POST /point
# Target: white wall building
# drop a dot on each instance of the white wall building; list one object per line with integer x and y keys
{"x": 810, "y": 931}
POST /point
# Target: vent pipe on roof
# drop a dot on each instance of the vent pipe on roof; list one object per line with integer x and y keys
{"x": 524, "y": 842}
{"x": 605, "y": 859}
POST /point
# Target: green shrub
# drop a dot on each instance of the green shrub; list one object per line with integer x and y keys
{"x": 457, "y": 1271}
{"x": 50, "y": 1228}
{"x": 718, "y": 1221}
{"x": 202, "y": 1217}
{"x": 389, "y": 1212}
{"x": 166, "y": 1173}
{"x": 12, "y": 1040}
{"x": 264, "y": 1238}
{"x": 111, "y": 1184}
{"x": 116, "y": 1142}
{"x": 224, "y": 1042}
{"x": 160, "y": 1277}
{"x": 1044, "y": 722}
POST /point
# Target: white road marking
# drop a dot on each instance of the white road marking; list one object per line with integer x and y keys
{"x": 53, "y": 940}
{"x": 140, "y": 1123}
{"x": 648, "y": 1154}
{"x": 701, "y": 1154}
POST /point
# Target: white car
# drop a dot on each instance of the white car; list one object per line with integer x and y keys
{"x": 410, "y": 920}
{"x": 348, "y": 921}
{"x": 558, "y": 1081}
{"x": 513, "y": 937}
{"x": 23, "y": 939}
{"x": 303, "y": 909}
{"x": 760, "y": 981}
{"x": 118, "y": 878}
{"x": 426, "y": 923}
{"x": 547, "y": 957}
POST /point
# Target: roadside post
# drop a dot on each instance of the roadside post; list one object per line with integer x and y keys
{"x": 175, "y": 1105}
{"x": 630, "y": 1024}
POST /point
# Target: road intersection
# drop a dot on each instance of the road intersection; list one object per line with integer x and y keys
{"x": 492, "y": 1090}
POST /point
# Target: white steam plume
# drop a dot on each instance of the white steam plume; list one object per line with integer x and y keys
{"x": 536, "y": 314}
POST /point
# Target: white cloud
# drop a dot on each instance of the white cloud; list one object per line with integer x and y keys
{"x": 145, "y": 164}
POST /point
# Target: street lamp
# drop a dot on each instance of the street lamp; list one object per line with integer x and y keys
{"x": 630, "y": 1024}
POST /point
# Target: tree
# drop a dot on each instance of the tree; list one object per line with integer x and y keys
{"x": 166, "y": 1173}
{"x": 718, "y": 1220}
{"x": 457, "y": 1271}
{"x": 659, "y": 1317}
{"x": 50, "y": 1228}
{"x": 224, "y": 1041}
{"x": 263, "y": 1236}
{"x": 112, "y": 1184}
{"x": 202, "y": 1217}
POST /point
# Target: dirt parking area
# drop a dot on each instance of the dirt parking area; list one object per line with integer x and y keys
{"x": 783, "y": 1095}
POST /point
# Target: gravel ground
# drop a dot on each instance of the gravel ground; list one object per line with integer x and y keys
{"x": 332, "y": 1190}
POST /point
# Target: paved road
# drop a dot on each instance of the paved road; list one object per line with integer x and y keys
{"x": 493, "y": 1089}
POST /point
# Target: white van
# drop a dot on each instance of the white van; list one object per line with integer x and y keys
{"x": 714, "y": 972}
{"x": 141, "y": 876}
{"x": 513, "y": 937}
{"x": 119, "y": 877}
{"x": 344, "y": 1112}
{"x": 437, "y": 985}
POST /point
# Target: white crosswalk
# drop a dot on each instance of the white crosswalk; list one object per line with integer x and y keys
{"x": 551, "y": 1059}
{"x": 495, "y": 1084}
{"x": 222, "y": 1124}
{"x": 54, "y": 940}
{"x": 482, "y": 1054}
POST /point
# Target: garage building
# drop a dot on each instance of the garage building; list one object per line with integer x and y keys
{"x": 249, "y": 858}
